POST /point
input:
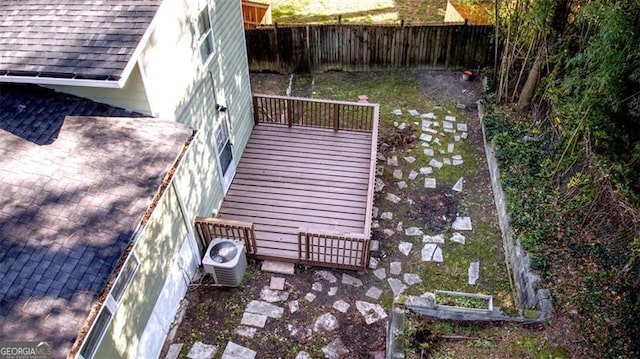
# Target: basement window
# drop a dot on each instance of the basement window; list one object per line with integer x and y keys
{"x": 205, "y": 36}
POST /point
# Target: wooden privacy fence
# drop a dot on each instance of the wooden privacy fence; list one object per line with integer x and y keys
{"x": 298, "y": 111}
{"x": 211, "y": 228}
{"x": 336, "y": 251}
{"x": 317, "y": 48}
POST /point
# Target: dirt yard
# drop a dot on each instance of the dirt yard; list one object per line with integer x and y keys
{"x": 212, "y": 313}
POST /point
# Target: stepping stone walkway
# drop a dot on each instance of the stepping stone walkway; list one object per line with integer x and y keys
{"x": 429, "y": 182}
{"x": 431, "y": 253}
{"x": 264, "y": 308}
{"x": 325, "y": 275}
{"x": 433, "y": 239}
{"x": 269, "y": 295}
{"x": 413, "y": 231}
{"x": 393, "y": 198}
{"x": 380, "y": 273}
{"x": 435, "y": 163}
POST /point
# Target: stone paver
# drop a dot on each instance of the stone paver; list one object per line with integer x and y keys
{"x": 446, "y": 161}
{"x": 437, "y": 255}
{"x": 447, "y": 125}
{"x": 303, "y": 355}
{"x": 397, "y": 112}
{"x": 371, "y": 312}
{"x": 393, "y": 198}
{"x": 410, "y": 159}
{"x": 341, "y": 306}
{"x": 373, "y": 263}
{"x": 462, "y": 127}
{"x": 450, "y": 118}
{"x": 474, "y": 272}
{"x": 264, "y": 308}
{"x": 310, "y": 297}
{"x": 380, "y": 273}
{"x": 397, "y": 174}
{"x": 332, "y": 291}
{"x": 428, "y": 152}
{"x": 435, "y": 163}
{"x": 199, "y": 350}
{"x": 277, "y": 283}
{"x": 438, "y": 238}
{"x": 413, "y": 231}
{"x": 426, "y": 170}
{"x": 462, "y": 224}
{"x": 414, "y": 113}
{"x": 325, "y": 275}
{"x": 294, "y": 306}
{"x": 458, "y": 186}
{"x": 397, "y": 287}
{"x": 456, "y": 162}
{"x": 412, "y": 175}
{"x": 325, "y": 323}
{"x": 174, "y": 351}
{"x": 386, "y": 215}
{"x": 392, "y": 161}
{"x": 426, "y": 137}
{"x": 465, "y": 135}
{"x": 269, "y": 295}
{"x": 395, "y": 268}
{"x": 405, "y": 247}
{"x": 253, "y": 320}
{"x": 335, "y": 350}
{"x": 399, "y": 227}
{"x": 402, "y": 184}
{"x": 412, "y": 278}
{"x": 235, "y": 351}
{"x": 457, "y": 237}
{"x": 350, "y": 280}
{"x": 378, "y": 185}
{"x": 388, "y": 232}
{"x": 245, "y": 331}
{"x": 317, "y": 286}
{"x": 427, "y": 251}
{"x": 374, "y": 293}
{"x": 429, "y": 182}
{"x": 450, "y": 147}
{"x": 278, "y": 267}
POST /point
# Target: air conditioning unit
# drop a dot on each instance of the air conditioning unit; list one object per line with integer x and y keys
{"x": 226, "y": 261}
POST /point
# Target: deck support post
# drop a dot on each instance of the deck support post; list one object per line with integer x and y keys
{"x": 336, "y": 117}
{"x": 290, "y": 113}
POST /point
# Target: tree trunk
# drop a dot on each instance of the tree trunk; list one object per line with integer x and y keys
{"x": 529, "y": 88}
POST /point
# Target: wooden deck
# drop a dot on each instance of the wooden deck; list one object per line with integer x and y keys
{"x": 293, "y": 179}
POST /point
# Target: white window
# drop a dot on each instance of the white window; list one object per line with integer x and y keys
{"x": 205, "y": 36}
{"x": 93, "y": 340}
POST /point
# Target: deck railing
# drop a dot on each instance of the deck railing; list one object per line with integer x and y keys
{"x": 333, "y": 250}
{"x": 211, "y": 228}
{"x": 298, "y": 111}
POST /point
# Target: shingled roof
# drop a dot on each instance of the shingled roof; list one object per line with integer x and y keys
{"x": 72, "y": 38}
{"x": 72, "y": 192}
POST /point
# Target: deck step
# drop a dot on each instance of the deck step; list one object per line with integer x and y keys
{"x": 278, "y": 267}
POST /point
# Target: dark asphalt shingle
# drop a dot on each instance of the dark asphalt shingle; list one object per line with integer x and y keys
{"x": 73, "y": 188}
{"x": 66, "y": 38}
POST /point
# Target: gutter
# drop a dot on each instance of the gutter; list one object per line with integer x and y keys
{"x": 39, "y": 79}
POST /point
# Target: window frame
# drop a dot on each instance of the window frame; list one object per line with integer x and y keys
{"x": 121, "y": 284}
{"x": 206, "y": 36}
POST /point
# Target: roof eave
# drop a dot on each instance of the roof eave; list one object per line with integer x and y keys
{"x": 43, "y": 80}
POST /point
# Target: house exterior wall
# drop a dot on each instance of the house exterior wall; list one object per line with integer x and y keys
{"x": 181, "y": 88}
{"x": 132, "y": 97}
{"x": 157, "y": 250}
{"x": 178, "y": 87}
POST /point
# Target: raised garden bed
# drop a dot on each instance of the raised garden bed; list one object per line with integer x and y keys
{"x": 464, "y": 302}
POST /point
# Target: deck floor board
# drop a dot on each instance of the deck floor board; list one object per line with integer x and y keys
{"x": 293, "y": 178}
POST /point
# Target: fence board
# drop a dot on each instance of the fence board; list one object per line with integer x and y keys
{"x": 313, "y": 48}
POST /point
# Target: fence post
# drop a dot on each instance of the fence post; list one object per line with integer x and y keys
{"x": 289, "y": 105}
{"x": 336, "y": 117}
